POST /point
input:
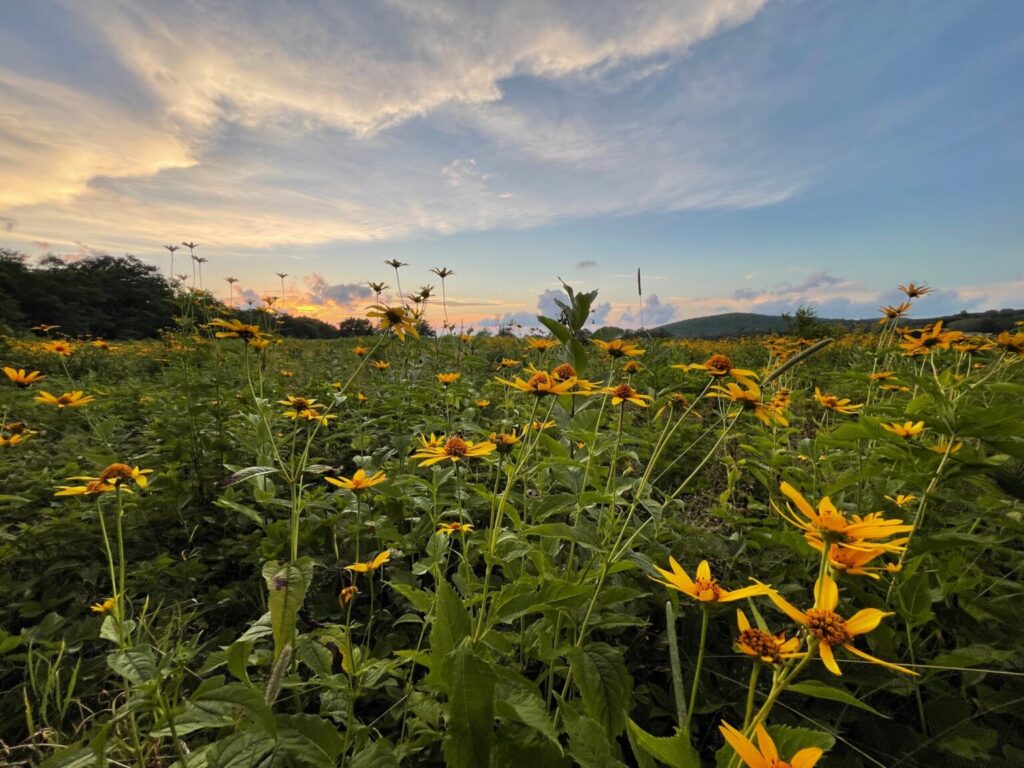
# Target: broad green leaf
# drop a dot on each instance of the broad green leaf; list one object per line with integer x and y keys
{"x": 286, "y": 585}
{"x": 674, "y": 751}
{"x": 604, "y": 684}
{"x": 311, "y": 738}
{"x": 470, "y": 722}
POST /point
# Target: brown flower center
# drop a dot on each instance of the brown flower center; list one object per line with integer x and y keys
{"x": 115, "y": 472}
{"x": 828, "y": 627}
{"x": 539, "y": 381}
{"x": 707, "y": 588}
{"x": 564, "y": 372}
{"x": 624, "y": 391}
{"x": 718, "y": 365}
{"x": 764, "y": 644}
{"x": 455, "y": 446}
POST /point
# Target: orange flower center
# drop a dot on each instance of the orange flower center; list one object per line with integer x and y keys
{"x": 539, "y": 381}
{"x": 764, "y": 644}
{"x": 707, "y": 589}
{"x": 564, "y": 372}
{"x": 455, "y": 446}
{"x": 718, "y": 365}
{"x": 115, "y": 472}
{"x": 624, "y": 391}
{"x": 828, "y": 627}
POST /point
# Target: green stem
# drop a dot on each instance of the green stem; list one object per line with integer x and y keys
{"x": 705, "y": 620}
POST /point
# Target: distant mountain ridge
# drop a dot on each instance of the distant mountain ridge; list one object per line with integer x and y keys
{"x": 751, "y": 324}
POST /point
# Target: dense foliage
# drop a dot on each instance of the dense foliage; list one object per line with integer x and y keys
{"x": 456, "y": 551}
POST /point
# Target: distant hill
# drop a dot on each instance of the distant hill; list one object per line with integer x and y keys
{"x": 750, "y": 324}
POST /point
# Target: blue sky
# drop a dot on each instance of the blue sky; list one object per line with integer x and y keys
{"x": 747, "y": 155}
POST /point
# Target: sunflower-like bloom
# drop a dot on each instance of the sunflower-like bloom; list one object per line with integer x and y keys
{"x": 542, "y": 344}
{"x": 854, "y": 561}
{"x": 119, "y": 473}
{"x": 902, "y": 499}
{"x": 506, "y": 441}
{"x": 74, "y": 399}
{"x": 323, "y": 419}
{"x": 631, "y": 366}
{"x": 359, "y": 481}
{"x": 381, "y": 365}
{"x": 541, "y": 383}
{"x": 831, "y": 629}
{"x": 58, "y": 347}
{"x": 717, "y": 366}
{"x": 906, "y": 430}
{"x": 236, "y": 329}
{"x": 704, "y": 588}
{"x": 620, "y": 348}
{"x": 105, "y": 606}
{"x": 540, "y": 426}
{"x": 371, "y": 565}
{"x": 447, "y": 529}
{"x": 833, "y": 403}
{"x": 749, "y": 398}
{"x": 764, "y": 646}
{"x": 360, "y": 351}
{"x": 765, "y": 754}
{"x": 893, "y": 313}
{"x": 925, "y": 341}
{"x": 13, "y": 440}
{"x": 913, "y": 291}
{"x": 90, "y": 487}
{"x": 565, "y": 371}
{"x": 1010, "y": 342}
{"x": 828, "y": 524}
{"x": 100, "y": 344}
{"x": 448, "y": 379}
{"x": 508, "y": 362}
{"x": 397, "y": 319}
{"x": 22, "y": 378}
{"x": 432, "y": 451}
{"x": 482, "y": 403}
{"x": 881, "y": 375}
{"x": 299, "y": 403}
{"x": 623, "y": 393}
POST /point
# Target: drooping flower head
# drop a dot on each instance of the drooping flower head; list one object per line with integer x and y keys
{"x": 22, "y": 378}
{"x": 828, "y": 525}
{"x": 704, "y": 588}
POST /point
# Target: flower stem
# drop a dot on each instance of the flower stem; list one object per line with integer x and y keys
{"x": 704, "y": 621}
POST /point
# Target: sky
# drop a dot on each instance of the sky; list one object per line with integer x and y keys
{"x": 745, "y": 155}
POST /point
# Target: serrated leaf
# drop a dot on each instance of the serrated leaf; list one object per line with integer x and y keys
{"x": 310, "y": 738}
{"x": 674, "y": 751}
{"x": 287, "y": 585}
{"x": 470, "y": 722}
{"x": 604, "y": 683}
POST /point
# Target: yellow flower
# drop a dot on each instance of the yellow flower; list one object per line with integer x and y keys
{"x": 371, "y": 565}
{"x": 21, "y": 378}
{"x": 1010, "y": 342}
{"x": 828, "y": 524}
{"x": 104, "y": 607}
{"x": 287, "y": 374}
{"x": 902, "y": 499}
{"x": 396, "y": 319}
{"x": 750, "y": 399}
{"x": 481, "y": 403}
{"x": 347, "y": 594}
{"x": 74, "y": 399}
{"x": 447, "y": 529}
{"x": 299, "y": 403}
{"x": 454, "y": 449}
{"x": 381, "y": 365}
{"x": 924, "y": 341}
{"x": 117, "y": 473}
{"x": 13, "y": 440}
{"x": 506, "y": 441}
{"x": 540, "y": 426}
{"x": 720, "y": 365}
{"x": 906, "y": 430}
{"x": 631, "y": 367}
{"x": 765, "y": 755}
{"x": 913, "y": 291}
{"x": 943, "y": 445}
{"x": 236, "y": 329}
{"x": 624, "y": 393}
{"x": 881, "y": 375}
{"x": 704, "y": 588}
{"x": 59, "y": 348}
{"x": 854, "y": 561}
{"x": 361, "y": 397}
{"x": 542, "y": 344}
{"x": 831, "y": 629}
{"x": 893, "y": 313}
{"x": 540, "y": 383}
{"x": 91, "y": 487}
{"x": 507, "y": 362}
{"x": 764, "y": 646}
{"x": 358, "y": 482}
{"x": 619, "y": 347}
{"x": 447, "y": 379}
{"x": 360, "y": 351}
{"x": 833, "y": 403}
{"x": 101, "y": 344}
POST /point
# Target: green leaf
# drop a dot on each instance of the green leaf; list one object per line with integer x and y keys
{"x": 238, "y": 659}
{"x": 287, "y": 585}
{"x": 451, "y": 626}
{"x": 819, "y": 690}
{"x": 225, "y": 703}
{"x": 674, "y": 751}
{"x": 245, "y": 474}
{"x": 604, "y": 684}
{"x": 378, "y": 754}
{"x": 789, "y": 740}
{"x": 527, "y": 707}
{"x": 246, "y": 749}
{"x": 136, "y": 665}
{"x": 241, "y": 509}
{"x": 589, "y": 745}
{"x": 310, "y": 738}
{"x": 470, "y": 723}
